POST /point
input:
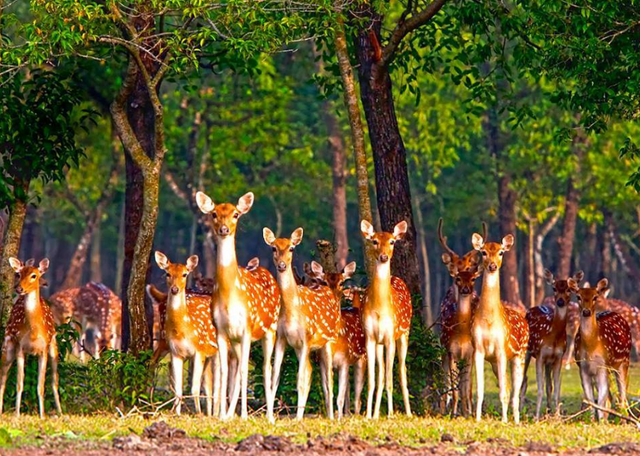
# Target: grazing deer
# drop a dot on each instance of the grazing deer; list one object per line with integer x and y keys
{"x": 308, "y": 322}
{"x": 456, "y": 337}
{"x": 188, "y": 329}
{"x": 603, "y": 345}
{"x": 110, "y": 305}
{"x": 386, "y": 317}
{"x": 246, "y": 304}
{"x": 499, "y": 333}
{"x": 349, "y": 347}
{"x": 30, "y": 331}
{"x": 548, "y": 341}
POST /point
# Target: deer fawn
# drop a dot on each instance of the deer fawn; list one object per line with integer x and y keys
{"x": 246, "y": 304}
{"x": 188, "y": 329}
{"x": 499, "y": 333}
{"x": 548, "y": 341}
{"x": 386, "y": 317}
{"x": 349, "y": 347}
{"x": 603, "y": 344}
{"x": 309, "y": 321}
{"x": 30, "y": 331}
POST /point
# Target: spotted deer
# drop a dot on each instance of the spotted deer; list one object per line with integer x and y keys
{"x": 548, "y": 341}
{"x": 246, "y": 304}
{"x": 188, "y": 330}
{"x": 456, "y": 338}
{"x": 500, "y": 334}
{"x": 386, "y": 319}
{"x": 30, "y": 330}
{"x": 603, "y": 345}
{"x": 308, "y": 322}
{"x": 631, "y": 314}
{"x": 349, "y": 347}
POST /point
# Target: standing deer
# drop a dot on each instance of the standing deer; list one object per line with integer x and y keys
{"x": 499, "y": 333}
{"x": 603, "y": 345}
{"x": 188, "y": 330}
{"x": 246, "y": 304}
{"x": 30, "y": 331}
{"x": 386, "y": 319}
{"x": 548, "y": 341}
{"x": 308, "y": 322}
{"x": 349, "y": 347}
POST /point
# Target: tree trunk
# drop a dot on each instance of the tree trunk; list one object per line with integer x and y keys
{"x": 357, "y": 137}
{"x": 605, "y": 265}
{"x": 393, "y": 191}
{"x": 529, "y": 267}
{"x": 568, "y": 231}
{"x": 590, "y": 255}
{"x": 622, "y": 253}
{"x": 74, "y": 271}
{"x": 537, "y": 255}
{"x": 120, "y": 251}
{"x": 11, "y": 248}
{"x": 96, "y": 266}
{"x": 427, "y": 309}
{"x": 339, "y": 173}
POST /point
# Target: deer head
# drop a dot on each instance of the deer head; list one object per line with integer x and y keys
{"x": 176, "y": 273}
{"x": 333, "y": 280}
{"x": 561, "y": 289}
{"x": 383, "y": 242}
{"x": 589, "y": 298}
{"x": 468, "y": 261}
{"x": 29, "y": 275}
{"x": 224, "y": 216}
{"x": 282, "y": 248}
{"x": 492, "y": 252}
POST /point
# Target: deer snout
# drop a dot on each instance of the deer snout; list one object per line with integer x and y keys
{"x": 586, "y": 313}
{"x": 224, "y": 230}
{"x": 493, "y": 267}
{"x": 465, "y": 290}
{"x": 19, "y": 289}
{"x": 560, "y": 302}
{"x": 281, "y": 266}
{"x": 384, "y": 258}
{"x": 175, "y": 290}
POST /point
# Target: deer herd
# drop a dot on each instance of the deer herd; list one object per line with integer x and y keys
{"x": 213, "y": 326}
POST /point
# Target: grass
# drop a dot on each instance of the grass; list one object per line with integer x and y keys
{"x": 416, "y": 431}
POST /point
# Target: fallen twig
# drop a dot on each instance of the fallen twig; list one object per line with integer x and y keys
{"x": 613, "y": 412}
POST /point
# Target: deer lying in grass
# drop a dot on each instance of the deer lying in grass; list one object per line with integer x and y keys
{"x": 30, "y": 331}
{"x": 603, "y": 346}
{"x": 548, "y": 341}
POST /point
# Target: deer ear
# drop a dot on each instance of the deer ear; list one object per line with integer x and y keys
{"x": 30, "y": 262}
{"x": 204, "y": 203}
{"x": 43, "y": 266}
{"x": 268, "y": 236}
{"x": 477, "y": 241}
{"x": 317, "y": 270}
{"x": 573, "y": 285}
{"x": 192, "y": 263}
{"x": 400, "y": 230}
{"x": 602, "y": 286}
{"x": 348, "y": 270}
{"x": 16, "y": 264}
{"x": 245, "y": 203}
{"x": 253, "y": 264}
{"x": 548, "y": 277}
{"x": 162, "y": 260}
{"x": 507, "y": 242}
{"x": 446, "y": 258}
{"x": 453, "y": 270}
{"x": 367, "y": 229}
{"x": 296, "y": 236}
{"x": 578, "y": 276}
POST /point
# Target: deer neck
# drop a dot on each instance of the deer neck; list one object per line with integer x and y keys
{"x": 176, "y": 304}
{"x": 464, "y": 307}
{"x": 289, "y": 292}
{"x": 589, "y": 332}
{"x": 226, "y": 264}
{"x": 33, "y": 308}
{"x": 489, "y": 307}
{"x": 559, "y": 320}
{"x": 380, "y": 292}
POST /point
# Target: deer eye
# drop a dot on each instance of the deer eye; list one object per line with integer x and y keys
{"x": 214, "y": 215}
{"x": 501, "y": 253}
{"x": 392, "y": 241}
{"x": 291, "y": 249}
{"x": 274, "y": 249}
{"x": 185, "y": 274}
{"x": 484, "y": 253}
{"x": 33, "y": 277}
{"x": 167, "y": 275}
{"x": 375, "y": 242}
{"x": 236, "y": 215}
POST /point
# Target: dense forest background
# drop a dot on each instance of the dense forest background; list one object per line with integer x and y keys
{"x": 472, "y": 103}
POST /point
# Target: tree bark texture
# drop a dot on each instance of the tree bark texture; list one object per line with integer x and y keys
{"x": 339, "y": 174}
{"x": 427, "y": 310}
{"x": 537, "y": 254}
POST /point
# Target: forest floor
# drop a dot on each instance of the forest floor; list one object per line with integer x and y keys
{"x": 108, "y": 434}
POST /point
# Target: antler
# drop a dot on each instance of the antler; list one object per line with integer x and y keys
{"x": 485, "y": 231}
{"x": 443, "y": 240}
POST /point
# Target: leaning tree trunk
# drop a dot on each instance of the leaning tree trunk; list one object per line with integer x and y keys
{"x": 96, "y": 260}
{"x": 11, "y": 248}
{"x": 357, "y": 137}
{"x": 339, "y": 172}
{"x": 389, "y": 155}
{"x": 73, "y": 276}
{"x": 537, "y": 254}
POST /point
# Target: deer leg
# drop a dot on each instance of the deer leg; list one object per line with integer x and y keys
{"x": 448, "y": 382}
{"x": 244, "y": 365}
{"x": 501, "y": 367}
{"x": 380, "y": 379}
{"x": 176, "y": 374}
{"x": 403, "y": 347}
{"x": 327, "y": 352}
{"x": 281, "y": 344}
{"x": 525, "y": 379}
{"x": 358, "y": 380}
{"x": 540, "y": 383}
{"x": 347, "y": 395}
{"x": 549, "y": 384}
{"x": 557, "y": 379}
{"x": 198, "y": 362}
{"x": 517, "y": 374}
{"x": 602, "y": 381}
{"x": 215, "y": 366}
{"x": 42, "y": 372}
{"x": 468, "y": 399}
{"x": 587, "y": 385}
{"x": 207, "y": 383}
{"x": 343, "y": 386}
{"x": 234, "y": 379}
{"x": 323, "y": 380}
{"x": 20, "y": 382}
{"x": 391, "y": 354}
{"x": 8, "y": 355}
{"x": 268, "y": 344}
{"x": 223, "y": 362}
{"x": 371, "y": 374}
{"x": 303, "y": 365}
{"x": 479, "y": 364}
{"x": 622, "y": 380}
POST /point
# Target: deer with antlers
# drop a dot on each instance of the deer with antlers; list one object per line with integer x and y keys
{"x": 499, "y": 333}
{"x": 548, "y": 341}
{"x": 246, "y": 304}
{"x": 349, "y": 347}
{"x": 603, "y": 345}
{"x": 188, "y": 331}
{"x": 308, "y": 322}
{"x": 386, "y": 319}
{"x": 30, "y": 331}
